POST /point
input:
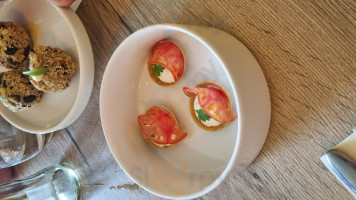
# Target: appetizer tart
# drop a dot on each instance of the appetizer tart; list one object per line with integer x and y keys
{"x": 166, "y": 63}
{"x": 15, "y": 44}
{"x": 16, "y": 91}
{"x": 160, "y": 128}
{"x": 210, "y": 106}
{"x": 51, "y": 69}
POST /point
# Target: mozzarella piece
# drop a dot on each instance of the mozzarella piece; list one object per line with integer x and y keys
{"x": 162, "y": 145}
{"x": 37, "y": 78}
{"x": 166, "y": 76}
{"x": 209, "y": 123}
{"x": 173, "y": 136}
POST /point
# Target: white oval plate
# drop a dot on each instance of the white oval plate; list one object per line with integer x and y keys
{"x": 203, "y": 159}
{"x": 61, "y": 28}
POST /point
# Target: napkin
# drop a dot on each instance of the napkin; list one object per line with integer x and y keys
{"x": 5, "y": 175}
{"x": 76, "y": 4}
{"x": 346, "y": 147}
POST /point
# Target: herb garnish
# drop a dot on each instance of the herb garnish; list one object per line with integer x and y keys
{"x": 157, "y": 69}
{"x": 36, "y": 72}
{"x": 202, "y": 115}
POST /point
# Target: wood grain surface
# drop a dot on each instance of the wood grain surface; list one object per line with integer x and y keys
{"x": 307, "y": 52}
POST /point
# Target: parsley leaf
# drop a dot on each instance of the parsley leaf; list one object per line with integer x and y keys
{"x": 153, "y": 135}
{"x": 202, "y": 116}
{"x": 157, "y": 69}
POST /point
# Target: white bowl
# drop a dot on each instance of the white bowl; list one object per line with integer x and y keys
{"x": 61, "y": 28}
{"x": 203, "y": 159}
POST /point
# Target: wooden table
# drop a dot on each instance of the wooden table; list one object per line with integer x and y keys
{"x": 307, "y": 52}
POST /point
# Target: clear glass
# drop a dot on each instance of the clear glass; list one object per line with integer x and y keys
{"x": 17, "y": 146}
{"x": 56, "y": 182}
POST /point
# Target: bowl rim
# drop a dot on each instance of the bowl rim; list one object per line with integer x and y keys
{"x": 237, "y": 148}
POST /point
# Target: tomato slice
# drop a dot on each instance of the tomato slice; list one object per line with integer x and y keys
{"x": 158, "y": 125}
{"x": 214, "y": 102}
{"x": 170, "y": 56}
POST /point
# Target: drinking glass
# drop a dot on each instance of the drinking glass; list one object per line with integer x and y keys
{"x": 56, "y": 182}
{"x": 17, "y": 146}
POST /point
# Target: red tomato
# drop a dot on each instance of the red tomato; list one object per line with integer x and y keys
{"x": 158, "y": 125}
{"x": 168, "y": 55}
{"x": 214, "y": 102}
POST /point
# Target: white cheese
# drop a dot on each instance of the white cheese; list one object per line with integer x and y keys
{"x": 162, "y": 138}
{"x": 37, "y": 78}
{"x": 162, "y": 145}
{"x": 173, "y": 136}
{"x": 208, "y": 123}
{"x": 166, "y": 76}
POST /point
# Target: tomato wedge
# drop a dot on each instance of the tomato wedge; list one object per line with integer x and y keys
{"x": 169, "y": 55}
{"x": 160, "y": 126}
{"x": 214, "y": 102}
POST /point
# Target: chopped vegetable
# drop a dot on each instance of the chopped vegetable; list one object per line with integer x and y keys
{"x": 36, "y": 72}
{"x": 202, "y": 115}
{"x": 153, "y": 135}
{"x": 157, "y": 69}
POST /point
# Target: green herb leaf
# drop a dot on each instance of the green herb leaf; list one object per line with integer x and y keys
{"x": 36, "y": 72}
{"x": 153, "y": 135}
{"x": 202, "y": 115}
{"x": 157, "y": 69}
